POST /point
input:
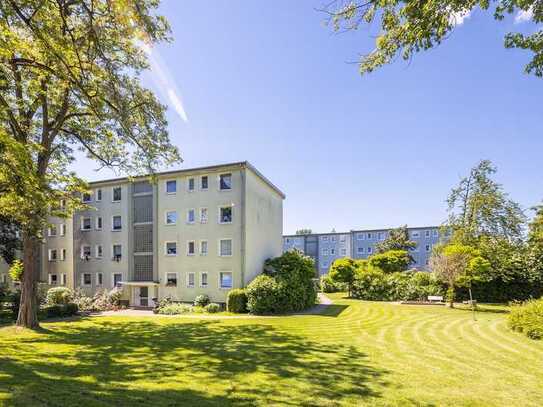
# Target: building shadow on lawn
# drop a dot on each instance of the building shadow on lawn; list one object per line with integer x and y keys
{"x": 105, "y": 362}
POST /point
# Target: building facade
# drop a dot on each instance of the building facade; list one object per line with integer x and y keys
{"x": 325, "y": 248}
{"x": 197, "y": 231}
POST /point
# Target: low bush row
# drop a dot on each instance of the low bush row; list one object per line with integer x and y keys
{"x": 528, "y": 318}
{"x": 201, "y": 304}
{"x": 58, "y": 310}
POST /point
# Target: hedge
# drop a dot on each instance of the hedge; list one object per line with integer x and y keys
{"x": 236, "y": 301}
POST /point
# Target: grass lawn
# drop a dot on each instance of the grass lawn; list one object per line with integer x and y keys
{"x": 360, "y": 353}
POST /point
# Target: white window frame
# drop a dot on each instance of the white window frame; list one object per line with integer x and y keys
{"x": 176, "y": 279}
{"x": 193, "y": 279}
{"x": 62, "y": 254}
{"x": 189, "y": 222}
{"x": 360, "y": 250}
{"x": 201, "y": 279}
{"x": 427, "y": 234}
{"x": 98, "y": 275}
{"x": 50, "y": 278}
{"x": 96, "y": 225}
{"x": 231, "y": 181}
{"x": 83, "y": 251}
{"x": 50, "y": 254}
{"x": 166, "y": 217}
{"x": 202, "y": 220}
{"x": 166, "y": 187}
{"x": 370, "y": 250}
{"x": 62, "y": 229}
{"x": 231, "y": 248}
{"x": 83, "y": 222}
{"x": 99, "y": 195}
{"x": 204, "y": 253}
{"x": 63, "y": 278}
{"x": 113, "y": 279}
{"x": 201, "y": 179}
{"x": 97, "y": 253}
{"x": 113, "y": 251}
{"x": 361, "y": 236}
{"x": 193, "y": 246}
{"x": 369, "y": 236}
{"x": 113, "y": 223}
{"x": 83, "y": 197}
{"x": 231, "y": 206}
{"x": 231, "y": 279}
{"x": 193, "y": 184}
{"x": 50, "y": 229}
{"x": 83, "y": 284}
{"x": 113, "y": 194}
{"x": 166, "y": 248}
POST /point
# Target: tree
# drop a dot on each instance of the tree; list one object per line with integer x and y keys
{"x": 69, "y": 79}
{"x": 391, "y": 261}
{"x": 479, "y": 207}
{"x": 411, "y": 26}
{"x": 397, "y": 239}
{"x": 10, "y": 241}
{"x": 344, "y": 271}
{"x": 16, "y": 270}
{"x": 535, "y": 229}
{"x": 304, "y": 231}
{"x": 458, "y": 266}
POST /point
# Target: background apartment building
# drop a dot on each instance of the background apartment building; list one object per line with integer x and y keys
{"x": 325, "y": 248}
{"x": 196, "y": 231}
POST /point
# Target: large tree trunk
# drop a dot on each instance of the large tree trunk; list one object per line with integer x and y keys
{"x": 28, "y": 310}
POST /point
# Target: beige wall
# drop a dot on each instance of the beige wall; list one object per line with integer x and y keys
{"x": 264, "y": 225}
{"x": 212, "y": 231}
{"x": 58, "y": 267}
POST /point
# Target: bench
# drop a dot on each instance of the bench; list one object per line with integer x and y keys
{"x": 437, "y": 298}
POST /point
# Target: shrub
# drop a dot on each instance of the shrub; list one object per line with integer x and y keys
{"x": 84, "y": 302}
{"x": 175, "y": 308}
{"x": 236, "y": 301}
{"x": 371, "y": 284}
{"x": 201, "y": 300}
{"x": 528, "y": 318}
{"x": 212, "y": 308}
{"x": 328, "y": 285}
{"x": 390, "y": 261}
{"x": 263, "y": 296}
{"x": 344, "y": 271}
{"x": 59, "y": 310}
{"x": 59, "y": 295}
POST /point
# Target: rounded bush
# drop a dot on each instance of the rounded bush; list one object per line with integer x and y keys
{"x": 59, "y": 295}
{"x": 236, "y": 301}
{"x": 201, "y": 300}
{"x": 175, "y": 309}
{"x": 330, "y": 286}
{"x": 528, "y": 318}
{"x": 212, "y": 308}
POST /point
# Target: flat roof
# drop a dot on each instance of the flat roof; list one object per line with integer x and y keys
{"x": 241, "y": 164}
{"x": 359, "y": 230}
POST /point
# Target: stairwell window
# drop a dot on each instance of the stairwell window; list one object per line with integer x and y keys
{"x": 117, "y": 194}
{"x": 225, "y": 214}
{"x": 116, "y": 223}
{"x": 225, "y": 280}
{"x": 225, "y": 182}
{"x": 225, "y": 247}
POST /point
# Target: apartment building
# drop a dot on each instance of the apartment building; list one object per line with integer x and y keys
{"x": 189, "y": 232}
{"x": 325, "y": 248}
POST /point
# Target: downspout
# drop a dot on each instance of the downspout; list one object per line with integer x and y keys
{"x": 243, "y": 221}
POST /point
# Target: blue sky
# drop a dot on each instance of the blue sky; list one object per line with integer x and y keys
{"x": 268, "y": 83}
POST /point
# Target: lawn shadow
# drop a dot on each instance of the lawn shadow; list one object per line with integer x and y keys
{"x": 325, "y": 310}
{"x": 242, "y": 364}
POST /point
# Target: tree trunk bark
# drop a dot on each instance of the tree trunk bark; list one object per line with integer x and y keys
{"x": 28, "y": 309}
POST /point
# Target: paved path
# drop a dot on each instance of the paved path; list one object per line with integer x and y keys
{"x": 324, "y": 301}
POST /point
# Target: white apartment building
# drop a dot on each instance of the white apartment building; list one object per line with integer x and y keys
{"x": 189, "y": 232}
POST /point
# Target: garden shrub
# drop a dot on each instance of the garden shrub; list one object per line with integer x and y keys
{"x": 201, "y": 300}
{"x": 528, "y": 318}
{"x": 371, "y": 284}
{"x": 59, "y": 295}
{"x": 212, "y": 307}
{"x": 59, "y": 310}
{"x": 327, "y": 285}
{"x": 236, "y": 301}
{"x": 263, "y": 296}
{"x": 175, "y": 308}
{"x": 390, "y": 261}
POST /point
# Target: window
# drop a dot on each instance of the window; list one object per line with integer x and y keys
{"x": 325, "y": 252}
{"x": 171, "y": 249}
{"x": 342, "y": 238}
{"x": 427, "y": 247}
{"x": 203, "y": 247}
{"x": 191, "y": 216}
{"x": 86, "y": 279}
{"x": 361, "y": 236}
{"x": 86, "y": 197}
{"x": 85, "y": 252}
{"x": 191, "y": 184}
{"x": 204, "y": 182}
{"x": 225, "y": 247}
{"x": 190, "y": 280}
{"x": 171, "y": 187}
{"x": 63, "y": 279}
{"x": 415, "y": 234}
{"x": 116, "y": 223}
{"x": 62, "y": 254}
{"x": 98, "y": 195}
{"x": 99, "y": 251}
{"x": 370, "y": 250}
{"x": 171, "y": 217}
{"x": 343, "y": 252}
{"x": 287, "y": 240}
{"x": 324, "y": 238}
{"x": 99, "y": 279}
{"x": 370, "y": 236}
{"x": 332, "y": 251}
{"x": 191, "y": 248}
{"x": 225, "y": 182}
{"x": 53, "y": 279}
{"x": 62, "y": 229}
{"x": 117, "y": 194}
{"x": 98, "y": 225}
{"x": 203, "y": 279}
{"x": 171, "y": 279}
{"x": 427, "y": 234}
{"x": 225, "y": 214}
{"x": 85, "y": 223}
{"x": 203, "y": 215}
{"x": 117, "y": 278}
{"x": 381, "y": 235}
{"x": 52, "y": 230}
{"x": 117, "y": 251}
{"x": 225, "y": 279}
{"x": 333, "y": 238}
{"x": 360, "y": 250}
{"x": 52, "y": 254}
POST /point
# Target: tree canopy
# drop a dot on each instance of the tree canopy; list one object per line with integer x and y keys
{"x": 397, "y": 239}
{"x": 407, "y": 27}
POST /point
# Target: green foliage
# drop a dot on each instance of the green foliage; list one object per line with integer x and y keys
{"x": 10, "y": 241}
{"x": 390, "y": 261}
{"x": 16, "y": 270}
{"x": 343, "y": 271}
{"x": 371, "y": 284}
{"x": 59, "y": 310}
{"x": 408, "y": 27}
{"x": 327, "y": 285}
{"x": 212, "y": 308}
{"x": 264, "y": 296}
{"x": 175, "y": 308}
{"x": 528, "y": 318}
{"x": 59, "y": 296}
{"x": 397, "y": 239}
{"x": 304, "y": 231}
{"x": 201, "y": 300}
{"x": 236, "y": 301}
